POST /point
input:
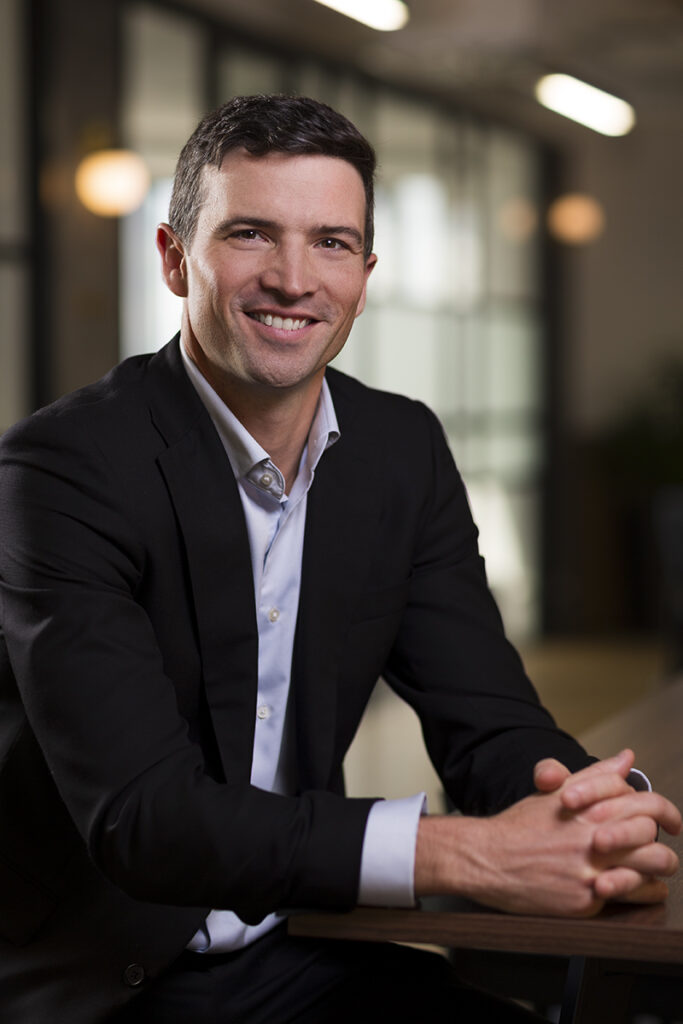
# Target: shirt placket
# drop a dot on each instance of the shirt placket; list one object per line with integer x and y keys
{"x": 276, "y": 612}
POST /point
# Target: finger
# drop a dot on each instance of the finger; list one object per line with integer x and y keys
{"x": 653, "y": 859}
{"x": 577, "y": 795}
{"x": 653, "y": 891}
{"x": 550, "y": 774}
{"x": 578, "y": 788}
{"x": 625, "y": 833}
{"x": 629, "y": 886}
{"x": 632, "y": 804}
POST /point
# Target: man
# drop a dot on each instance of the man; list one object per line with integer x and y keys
{"x": 207, "y": 559}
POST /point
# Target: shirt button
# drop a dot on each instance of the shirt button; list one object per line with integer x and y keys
{"x": 274, "y": 614}
{"x": 266, "y": 479}
{"x": 263, "y": 712}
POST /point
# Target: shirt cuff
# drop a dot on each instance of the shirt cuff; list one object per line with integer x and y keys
{"x": 387, "y": 869}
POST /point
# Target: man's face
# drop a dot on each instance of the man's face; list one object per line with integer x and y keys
{"x": 275, "y": 274}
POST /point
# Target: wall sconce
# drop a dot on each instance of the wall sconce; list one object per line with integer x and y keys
{"x": 112, "y": 182}
{"x": 576, "y": 219}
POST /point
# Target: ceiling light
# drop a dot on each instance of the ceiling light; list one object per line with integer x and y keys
{"x": 112, "y": 182}
{"x": 584, "y": 103}
{"x": 384, "y": 15}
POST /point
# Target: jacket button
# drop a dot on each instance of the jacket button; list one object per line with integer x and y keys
{"x": 134, "y": 975}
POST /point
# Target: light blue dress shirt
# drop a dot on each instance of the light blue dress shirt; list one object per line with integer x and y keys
{"x": 275, "y": 525}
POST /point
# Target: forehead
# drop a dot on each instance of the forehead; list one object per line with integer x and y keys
{"x": 279, "y": 185}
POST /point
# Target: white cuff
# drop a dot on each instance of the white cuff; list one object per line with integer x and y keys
{"x": 387, "y": 870}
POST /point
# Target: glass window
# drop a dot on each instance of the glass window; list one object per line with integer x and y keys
{"x": 13, "y": 119}
{"x": 150, "y": 313}
{"x": 163, "y": 84}
{"x": 13, "y": 350}
{"x": 162, "y": 102}
{"x": 513, "y": 360}
{"x": 15, "y": 251}
{"x": 513, "y": 191}
{"x": 244, "y": 72}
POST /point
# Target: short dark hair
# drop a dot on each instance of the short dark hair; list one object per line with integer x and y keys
{"x": 267, "y": 124}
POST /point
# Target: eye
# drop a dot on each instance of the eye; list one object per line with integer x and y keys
{"x": 247, "y": 234}
{"x": 332, "y": 244}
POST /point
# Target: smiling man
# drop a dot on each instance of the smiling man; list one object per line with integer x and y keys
{"x": 272, "y": 286}
{"x": 207, "y": 559}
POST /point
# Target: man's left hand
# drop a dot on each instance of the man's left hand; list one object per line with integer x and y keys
{"x": 631, "y": 820}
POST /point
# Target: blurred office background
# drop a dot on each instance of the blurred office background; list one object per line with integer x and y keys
{"x": 547, "y": 336}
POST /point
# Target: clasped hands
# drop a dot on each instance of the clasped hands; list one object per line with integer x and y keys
{"x": 582, "y": 839}
{"x": 626, "y": 858}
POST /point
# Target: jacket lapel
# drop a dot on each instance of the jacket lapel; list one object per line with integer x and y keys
{"x": 205, "y": 497}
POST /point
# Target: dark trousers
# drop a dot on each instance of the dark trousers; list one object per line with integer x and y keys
{"x": 283, "y": 980}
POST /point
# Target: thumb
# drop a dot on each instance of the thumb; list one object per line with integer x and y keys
{"x": 549, "y": 775}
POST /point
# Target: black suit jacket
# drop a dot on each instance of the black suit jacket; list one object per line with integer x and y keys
{"x": 128, "y": 676}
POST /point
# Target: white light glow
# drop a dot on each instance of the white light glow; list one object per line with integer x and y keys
{"x": 384, "y": 15}
{"x": 112, "y": 182}
{"x": 585, "y": 104}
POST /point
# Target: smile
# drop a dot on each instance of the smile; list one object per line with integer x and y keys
{"x": 280, "y": 323}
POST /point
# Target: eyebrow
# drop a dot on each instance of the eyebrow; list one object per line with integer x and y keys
{"x": 233, "y": 222}
{"x": 260, "y": 222}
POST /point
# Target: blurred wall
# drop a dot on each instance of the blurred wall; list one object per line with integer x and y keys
{"x": 623, "y": 295}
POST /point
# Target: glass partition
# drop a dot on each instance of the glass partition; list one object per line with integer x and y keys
{"x": 15, "y": 251}
{"x": 162, "y": 101}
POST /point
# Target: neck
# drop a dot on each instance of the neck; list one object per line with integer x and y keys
{"x": 278, "y": 418}
{"x": 280, "y": 423}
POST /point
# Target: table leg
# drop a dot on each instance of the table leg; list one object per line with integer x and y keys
{"x": 596, "y": 991}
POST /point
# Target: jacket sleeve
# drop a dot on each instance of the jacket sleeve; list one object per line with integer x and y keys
{"x": 482, "y": 721}
{"x": 92, "y": 681}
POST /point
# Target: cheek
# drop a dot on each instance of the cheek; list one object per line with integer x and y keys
{"x": 209, "y": 294}
{"x": 349, "y": 288}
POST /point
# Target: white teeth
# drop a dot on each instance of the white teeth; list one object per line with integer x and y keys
{"x": 286, "y": 324}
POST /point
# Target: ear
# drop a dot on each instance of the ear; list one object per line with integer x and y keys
{"x": 172, "y": 252}
{"x": 369, "y": 267}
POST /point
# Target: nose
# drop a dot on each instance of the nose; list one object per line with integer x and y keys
{"x": 289, "y": 271}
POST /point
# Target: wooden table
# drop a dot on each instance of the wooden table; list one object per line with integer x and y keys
{"x": 606, "y": 951}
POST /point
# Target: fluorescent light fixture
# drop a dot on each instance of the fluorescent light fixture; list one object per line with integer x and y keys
{"x": 584, "y": 103}
{"x": 384, "y": 15}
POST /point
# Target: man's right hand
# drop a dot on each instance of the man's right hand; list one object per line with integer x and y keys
{"x": 563, "y": 852}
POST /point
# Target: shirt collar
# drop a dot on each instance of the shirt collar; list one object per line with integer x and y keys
{"x": 245, "y": 453}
